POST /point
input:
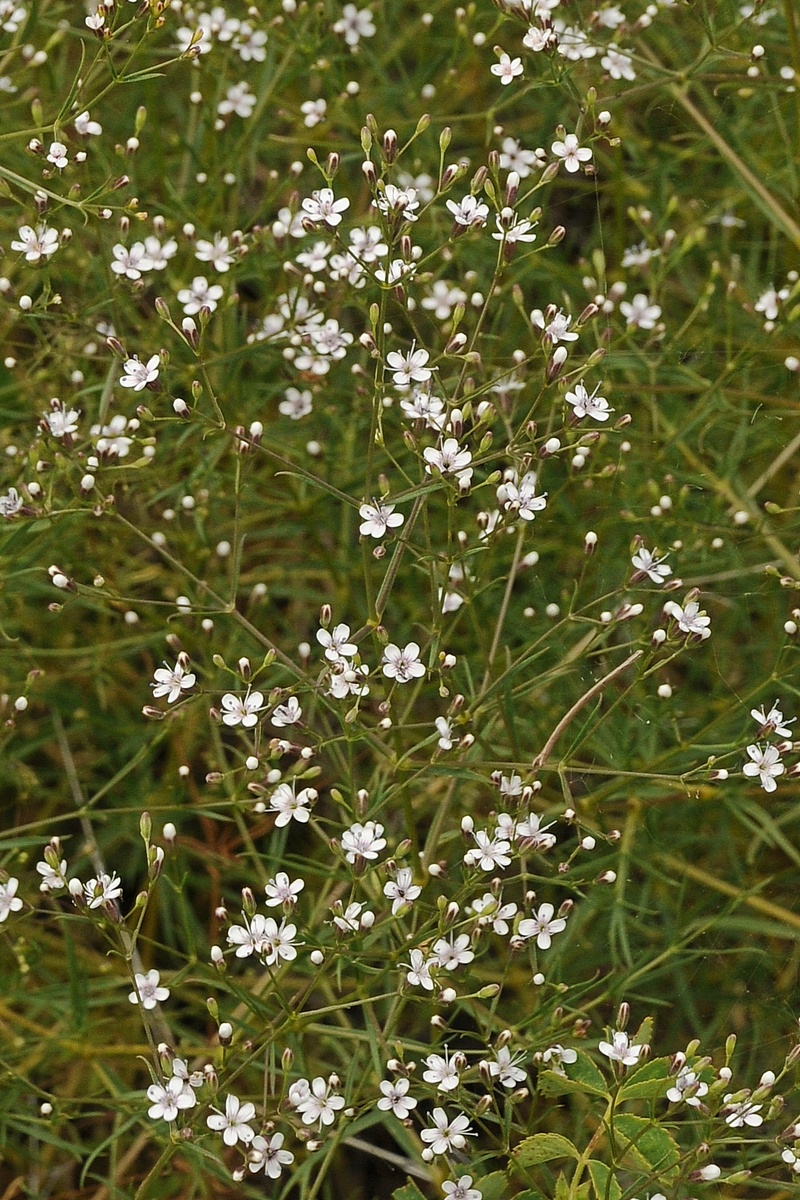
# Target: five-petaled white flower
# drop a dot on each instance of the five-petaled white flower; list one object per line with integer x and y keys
{"x": 489, "y": 853}
{"x": 268, "y": 1155}
{"x": 171, "y": 681}
{"x": 242, "y": 710}
{"x": 743, "y": 1113}
{"x": 131, "y": 261}
{"x": 201, "y": 294}
{"x": 543, "y": 926}
{"x": 419, "y": 970}
{"x": 138, "y": 374}
{"x": 402, "y": 891}
{"x": 286, "y": 714}
{"x": 168, "y": 1099}
{"x": 102, "y": 889}
{"x": 409, "y": 367}
{"x": 588, "y": 404}
{"x": 355, "y": 24}
{"x": 378, "y": 518}
{"x": 512, "y": 228}
{"x": 61, "y": 421}
{"x": 148, "y": 991}
{"x": 639, "y": 312}
{"x": 505, "y": 1069}
{"x": 554, "y": 324}
{"x": 462, "y": 1189}
{"x": 402, "y": 665}
{"x": 336, "y": 644}
{"x": 232, "y": 1124}
{"x": 363, "y": 841}
{"x": 469, "y": 212}
{"x": 773, "y": 720}
{"x": 323, "y": 206}
{"x": 766, "y": 764}
{"x": 283, "y": 890}
{"x": 691, "y": 618}
{"x": 647, "y": 563}
{"x": 217, "y": 252}
{"x": 239, "y": 100}
{"x": 320, "y": 1103}
{"x": 449, "y": 458}
{"x": 571, "y": 152}
{"x": 507, "y": 68}
{"x": 289, "y": 804}
{"x": 395, "y": 1098}
{"x": 453, "y": 952}
{"x": 9, "y": 900}
{"x": 447, "y": 1134}
{"x": 443, "y": 1071}
{"x": 687, "y": 1086}
{"x": 621, "y": 1050}
{"x": 36, "y": 243}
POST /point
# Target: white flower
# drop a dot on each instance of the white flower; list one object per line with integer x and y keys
{"x": 773, "y": 720}
{"x": 11, "y": 503}
{"x": 585, "y": 404}
{"x": 57, "y": 155}
{"x": 240, "y": 711}
{"x": 402, "y": 665}
{"x": 444, "y": 728}
{"x": 159, "y": 252}
{"x": 507, "y": 69}
{"x": 769, "y": 302}
{"x": 286, "y": 714}
{"x": 138, "y": 374}
{"x": 449, "y": 458}
{"x": 556, "y": 325}
{"x": 250, "y": 938}
{"x": 743, "y": 1113}
{"x": 571, "y": 152}
{"x": 323, "y": 206}
{"x": 443, "y": 1071}
{"x": 640, "y": 313}
{"x": 410, "y": 367}
{"x": 171, "y": 681}
{"x": 9, "y": 900}
{"x": 353, "y": 918}
{"x": 521, "y": 498}
{"x": 363, "y": 841}
{"x": 290, "y": 805}
{"x": 267, "y": 1155}
{"x": 336, "y": 644}
{"x": 514, "y": 158}
{"x": 453, "y": 952}
{"x": 282, "y": 890}
{"x": 378, "y": 518}
{"x": 419, "y": 970}
{"x": 131, "y": 261}
{"x": 543, "y": 926}
{"x": 490, "y": 911}
{"x": 200, "y": 295}
{"x": 85, "y": 126}
{"x": 398, "y": 202}
{"x": 691, "y": 618}
{"x": 36, "y": 243}
{"x": 297, "y": 404}
{"x": 148, "y": 990}
{"x": 395, "y": 1098}
{"x": 557, "y": 1055}
{"x": 688, "y": 1087}
{"x": 355, "y": 23}
{"x": 648, "y": 563}
{"x": 618, "y": 64}
{"x": 469, "y": 212}
{"x": 232, "y": 1124}
{"x": 239, "y": 100}
{"x": 446, "y": 1134}
{"x": 314, "y": 112}
{"x": 320, "y": 1104}
{"x": 217, "y": 252}
{"x": 766, "y": 764}
{"x": 401, "y": 890}
{"x": 504, "y": 1068}
{"x": 461, "y": 1190}
{"x": 167, "y": 1100}
{"x": 620, "y": 1049}
{"x": 61, "y": 421}
{"x": 489, "y": 853}
{"x": 53, "y": 878}
{"x": 111, "y": 438}
{"x": 511, "y": 228}
{"x": 102, "y": 889}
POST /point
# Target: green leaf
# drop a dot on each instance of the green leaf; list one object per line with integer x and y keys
{"x": 543, "y": 1147}
{"x": 582, "y": 1076}
{"x": 604, "y": 1181}
{"x": 562, "y": 1191}
{"x": 648, "y": 1146}
{"x": 649, "y": 1082}
{"x": 409, "y": 1191}
{"x": 494, "y": 1186}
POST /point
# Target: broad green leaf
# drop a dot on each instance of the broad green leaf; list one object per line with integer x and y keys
{"x": 493, "y": 1186}
{"x": 649, "y": 1082}
{"x": 409, "y": 1191}
{"x": 648, "y": 1146}
{"x": 580, "y": 1076}
{"x": 543, "y": 1147}
{"x": 604, "y": 1181}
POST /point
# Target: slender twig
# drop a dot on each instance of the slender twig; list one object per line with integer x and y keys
{"x": 567, "y": 719}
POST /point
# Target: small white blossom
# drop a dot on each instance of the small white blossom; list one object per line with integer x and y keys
{"x": 242, "y": 711}
{"x": 324, "y": 207}
{"x": 321, "y": 1103}
{"x": 363, "y": 841}
{"x": 469, "y": 212}
{"x": 102, "y": 889}
{"x": 507, "y": 69}
{"x": 239, "y": 100}
{"x": 138, "y": 374}
{"x": 588, "y": 404}
{"x": 505, "y": 1069}
{"x": 232, "y": 1124}
{"x": 543, "y": 926}
{"x": 217, "y": 252}
{"x": 640, "y": 313}
{"x": 401, "y": 890}
{"x": 149, "y": 991}
{"x": 409, "y": 367}
{"x": 268, "y": 1155}
{"x": 446, "y": 1134}
{"x": 402, "y": 665}
{"x": 282, "y": 890}
{"x": 687, "y": 1087}
{"x": 286, "y": 714}
{"x": 395, "y": 1098}
{"x": 766, "y": 764}
{"x": 36, "y": 243}
{"x": 378, "y": 518}
{"x": 453, "y": 952}
{"x": 9, "y": 900}
{"x": 169, "y": 1099}
{"x": 621, "y": 1050}
{"x": 773, "y": 720}
{"x": 743, "y": 1113}
{"x": 291, "y": 805}
{"x": 571, "y": 152}
{"x": 297, "y": 404}
{"x": 355, "y": 24}
{"x": 443, "y": 1071}
{"x": 171, "y": 681}
{"x": 201, "y": 294}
